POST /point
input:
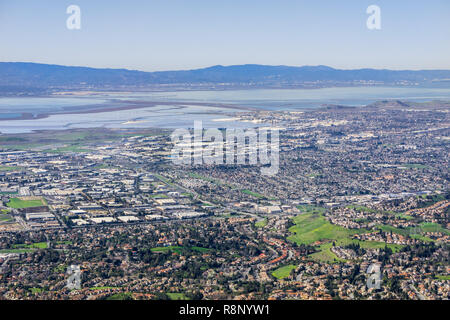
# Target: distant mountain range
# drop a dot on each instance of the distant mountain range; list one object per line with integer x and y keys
{"x": 34, "y": 76}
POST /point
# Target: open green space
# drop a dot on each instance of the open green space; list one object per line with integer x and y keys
{"x": 6, "y": 218}
{"x": 69, "y": 148}
{"x": 6, "y": 139}
{"x": 9, "y": 193}
{"x": 60, "y": 268}
{"x": 200, "y": 249}
{"x": 325, "y": 254}
{"x": 414, "y": 166}
{"x": 416, "y": 232}
{"x": 284, "y": 271}
{"x": 24, "y": 146}
{"x": 179, "y": 250}
{"x": 361, "y": 208}
{"x": 177, "y": 296}
{"x": 433, "y": 227}
{"x": 17, "y": 203}
{"x": 204, "y": 204}
{"x": 102, "y": 288}
{"x": 10, "y": 168}
{"x": 311, "y": 227}
{"x": 36, "y": 245}
{"x": 186, "y": 194}
{"x": 253, "y": 194}
{"x": 72, "y": 137}
{"x": 388, "y": 228}
{"x": 314, "y": 175}
{"x": 261, "y": 223}
{"x": 16, "y": 250}
{"x": 36, "y": 290}
{"x": 403, "y": 216}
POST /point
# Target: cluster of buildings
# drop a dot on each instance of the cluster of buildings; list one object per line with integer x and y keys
{"x": 142, "y": 227}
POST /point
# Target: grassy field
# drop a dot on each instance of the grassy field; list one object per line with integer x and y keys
{"x": 283, "y": 272}
{"x": 4, "y": 217}
{"x": 433, "y": 227}
{"x": 72, "y": 138}
{"x": 60, "y": 269}
{"x": 70, "y": 148}
{"x": 10, "y": 168}
{"x": 179, "y": 250}
{"x": 325, "y": 254}
{"x": 388, "y": 228}
{"x": 361, "y": 208}
{"x": 253, "y": 194}
{"x": 102, "y": 288}
{"x": 261, "y": 223}
{"x": 416, "y": 233}
{"x": 36, "y": 245}
{"x": 9, "y": 193}
{"x": 403, "y": 216}
{"x": 16, "y": 250}
{"x": 414, "y": 166}
{"x": 312, "y": 227}
{"x": 36, "y": 290}
{"x": 17, "y": 203}
{"x": 443, "y": 277}
{"x": 177, "y": 296}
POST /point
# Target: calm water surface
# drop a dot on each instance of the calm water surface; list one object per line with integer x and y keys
{"x": 172, "y": 116}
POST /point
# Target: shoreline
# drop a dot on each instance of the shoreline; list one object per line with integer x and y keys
{"x": 126, "y": 105}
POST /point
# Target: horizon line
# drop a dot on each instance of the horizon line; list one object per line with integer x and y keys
{"x": 225, "y": 66}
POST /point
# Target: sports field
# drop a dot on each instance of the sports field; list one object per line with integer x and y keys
{"x": 18, "y": 203}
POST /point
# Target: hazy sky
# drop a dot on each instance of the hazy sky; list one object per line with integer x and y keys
{"x": 171, "y": 34}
